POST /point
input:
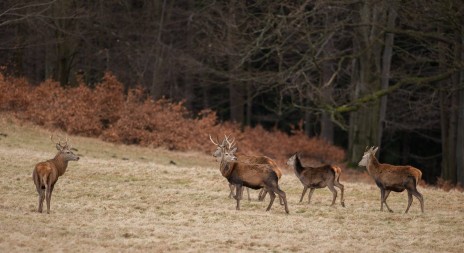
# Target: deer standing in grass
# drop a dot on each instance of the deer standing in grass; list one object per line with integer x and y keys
{"x": 46, "y": 173}
{"x": 392, "y": 178}
{"x": 249, "y": 160}
{"x": 317, "y": 177}
{"x": 255, "y": 176}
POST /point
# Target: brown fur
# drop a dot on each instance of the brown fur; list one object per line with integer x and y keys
{"x": 255, "y": 176}
{"x": 260, "y": 160}
{"x": 246, "y": 159}
{"x": 46, "y": 174}
{"x": 394, "y": 178}
{"x": 318, "y": 177}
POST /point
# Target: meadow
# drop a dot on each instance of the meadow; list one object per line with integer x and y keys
{"x": 120, "y": 198}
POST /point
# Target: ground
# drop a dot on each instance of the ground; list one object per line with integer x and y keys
{"x": 120, "y": 198}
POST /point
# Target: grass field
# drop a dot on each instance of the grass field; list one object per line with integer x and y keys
{"x": 125, "y": 198}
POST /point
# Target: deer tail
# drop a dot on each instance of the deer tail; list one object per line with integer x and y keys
{"x": 337, "y": 172}
{"x": 44, "y": 181}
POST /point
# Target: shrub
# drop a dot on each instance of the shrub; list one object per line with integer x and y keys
{"x": 106, "y": 112}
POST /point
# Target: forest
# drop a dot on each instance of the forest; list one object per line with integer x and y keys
{"x": 352, "y": 73}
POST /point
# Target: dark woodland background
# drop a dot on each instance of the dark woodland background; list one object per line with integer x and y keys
{"x": 353, "y": 73}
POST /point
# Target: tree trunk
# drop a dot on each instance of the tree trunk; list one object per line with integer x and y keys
{"x": 236, "y": 89}
{"x": 188, "y": 92}
{"x": 66, "y": 45}
{"x": 249, "y": 105}
{"x": 460, "y": 128}
{"x": 365, "y": 123}
{"x": 449, "y": 104}
{"x": 386, "y": 64}
{"x": 326, "y": 83}
{"x": 327, "y": 128}
{"x": 157, "y": 87}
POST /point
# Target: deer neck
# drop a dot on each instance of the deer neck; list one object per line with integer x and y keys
{"x": 60, "y": 163}
{"x": 226, "y": 168}
{"x": 298, "y": 166}
{"x": 373, "y": 166}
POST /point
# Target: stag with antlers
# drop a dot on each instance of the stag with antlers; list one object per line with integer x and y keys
{"x": 255, "y": 176}
{"x": 249, "y": 160}
{"x": 46, "y": 173}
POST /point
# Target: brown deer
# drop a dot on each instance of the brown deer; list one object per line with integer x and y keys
{"x": 317, "y": 177}
{"x": 392, "y": 178}
{"x": 46, "y": 173}
{"x": 254, "y": 176}
{"x": 249, "y": 160}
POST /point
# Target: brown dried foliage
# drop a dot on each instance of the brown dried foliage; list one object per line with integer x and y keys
{"x": 107, "y": 112}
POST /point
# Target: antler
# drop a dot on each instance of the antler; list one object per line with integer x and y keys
{"x": 63, "y": 145}
{"x": 51, "y": 138}
{"x": 66, "y": 142}
{"x": 217, "y": 144}
{"x": 230, "y": 144}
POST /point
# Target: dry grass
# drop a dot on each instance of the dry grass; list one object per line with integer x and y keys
{"x": 126, "y": 198}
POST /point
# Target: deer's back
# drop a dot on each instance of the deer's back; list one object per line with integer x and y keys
{"x": 261, "y": 160}
{"x": 317, "y": 176}
{"x": 397, "y": 174}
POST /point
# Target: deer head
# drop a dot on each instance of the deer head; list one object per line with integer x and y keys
{"x": 291, "y": 161}
{"x": 367, "y": 156}
{"x": 225, "y": 148}
{"x": 65, "y": 150}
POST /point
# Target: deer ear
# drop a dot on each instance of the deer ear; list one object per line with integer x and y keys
{"x": 58, "y": 147}
{"x": 375, "y": 150}
{"x": 233, "y": 150}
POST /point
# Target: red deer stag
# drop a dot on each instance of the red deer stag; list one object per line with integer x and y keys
{"x": 317, "y": 177}
{"x": 249, "y": 160}
{"x": 46, "y": 173}
{"x": 392, "y": 178}
{"x": 254, "y": 176}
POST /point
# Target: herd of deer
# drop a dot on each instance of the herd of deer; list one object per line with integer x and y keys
{"x": 260, "y": 172}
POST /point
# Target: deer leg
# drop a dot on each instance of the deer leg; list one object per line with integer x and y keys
{"x": 382, "y": 195}
{"x": 310, "y": 195}
{"x": 272, "y": 197}
{"x": 387, "y": 192}
{"x": 419, "y": 197}
{"x": 49, "y": 196}
{"x": 342, "y": 189}
{"x": 238, "y": 191}
{"x": 409, "y": 201}
{"x": 303, "y": 193}
{"x": 41, "y": 198}
{"x": 248, "y": 192}
{"x": 260, "y": 195}
{"x": 238, "y": 195}
{"x": 232, "y": 188}
{"x": 334, "y": 193}
{"x": 283, "y": 197}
